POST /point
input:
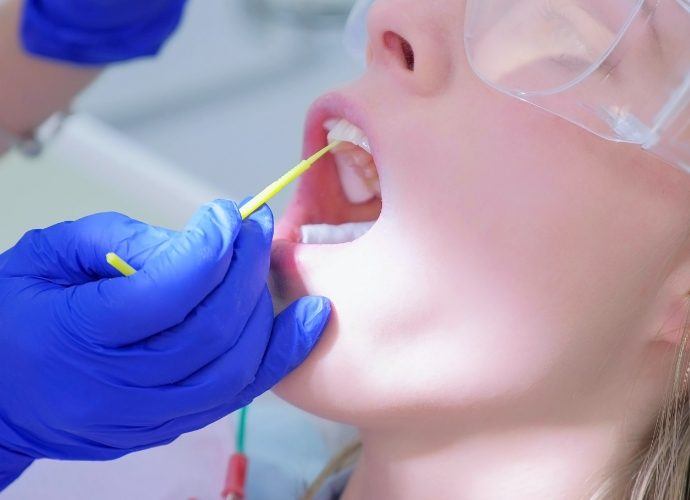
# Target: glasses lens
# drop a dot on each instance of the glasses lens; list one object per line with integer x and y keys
{"x": 542, "y": 45}
{"x": 355, "y": 37}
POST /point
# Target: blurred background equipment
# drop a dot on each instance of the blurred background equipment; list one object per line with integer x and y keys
{"x": 314, "y": 14}
{"x": 236, "y": 76}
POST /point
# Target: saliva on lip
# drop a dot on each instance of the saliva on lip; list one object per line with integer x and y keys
{"x": 359, "y": 180}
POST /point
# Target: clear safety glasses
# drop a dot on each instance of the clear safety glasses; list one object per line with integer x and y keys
{"x": 618, "y": 68}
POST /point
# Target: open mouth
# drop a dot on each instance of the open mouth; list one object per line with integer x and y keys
{"x": 339, "y": 199}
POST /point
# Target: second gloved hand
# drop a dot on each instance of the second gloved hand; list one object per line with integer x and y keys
{"x": 98, "y": 31}
{"x": 94, "y": 366}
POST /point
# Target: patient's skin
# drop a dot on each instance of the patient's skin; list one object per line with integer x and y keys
{"x": 507, "y": 329}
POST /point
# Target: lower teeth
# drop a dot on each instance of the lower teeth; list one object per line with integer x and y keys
{"x": 326, "y": 234}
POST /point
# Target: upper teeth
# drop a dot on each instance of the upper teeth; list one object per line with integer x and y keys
{"x": 358, "y": 175}
{"x": 343, "y": 130}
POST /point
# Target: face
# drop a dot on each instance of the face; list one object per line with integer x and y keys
{"x": 514, "y": 259}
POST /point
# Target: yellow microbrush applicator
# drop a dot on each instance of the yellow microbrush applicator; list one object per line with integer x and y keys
{"x": 251, "y": 206}
{"x": 285, "y": 180}
{"x": 120, "y": 264}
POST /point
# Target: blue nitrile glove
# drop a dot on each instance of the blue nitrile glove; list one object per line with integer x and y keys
{"x": 98, "y": 31}
{"x": 94, "y": 366}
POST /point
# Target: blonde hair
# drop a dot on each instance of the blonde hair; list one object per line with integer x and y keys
{"x": 659, "y": 471}
{"x": 346, "y": 458}
{"x": 662, "y": 469}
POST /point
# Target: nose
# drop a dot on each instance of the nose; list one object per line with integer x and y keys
{"x": 414, "y": 41}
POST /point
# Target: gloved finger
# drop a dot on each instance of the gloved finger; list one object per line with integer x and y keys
{"x": 295, "y": 333}
{"x": 107, "y": 15}
{"x": 72, "y": 253}
{"x": 98, "y": 32}
{"x": 217, "y": 383}
{"x": 214, "y": 326}
{"x": 258, "y": 362}
{"x": 121, "y": 311}
{"x": 111, "y": 443}
{"x": 261, "y": 360}
{"x": 142, "y": 437}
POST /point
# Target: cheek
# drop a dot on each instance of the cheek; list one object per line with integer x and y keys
{"x": 539, "y": 237}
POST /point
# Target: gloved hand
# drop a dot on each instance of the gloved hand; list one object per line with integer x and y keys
{"x": 94, "y": 365}
{"x": 98, "y": 31}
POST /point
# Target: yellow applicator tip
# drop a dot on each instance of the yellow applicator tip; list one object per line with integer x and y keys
{"x": 286, "y": 179}
{"x": 120, "y": 264}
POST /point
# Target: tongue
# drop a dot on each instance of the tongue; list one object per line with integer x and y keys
{"x": 325, "y": 234}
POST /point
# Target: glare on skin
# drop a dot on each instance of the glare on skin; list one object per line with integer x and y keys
{"x": 508, "y": 326}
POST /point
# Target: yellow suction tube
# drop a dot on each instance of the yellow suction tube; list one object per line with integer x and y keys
{"x": 252, "y": 205}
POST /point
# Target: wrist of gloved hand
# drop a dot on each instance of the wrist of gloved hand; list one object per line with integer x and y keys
{"x": 98, "y": 33}
{"x": 12, "y": 465}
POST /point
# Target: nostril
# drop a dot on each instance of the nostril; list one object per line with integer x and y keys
{"x": 401, "y": 48}
{"x": 408, "y": 53}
